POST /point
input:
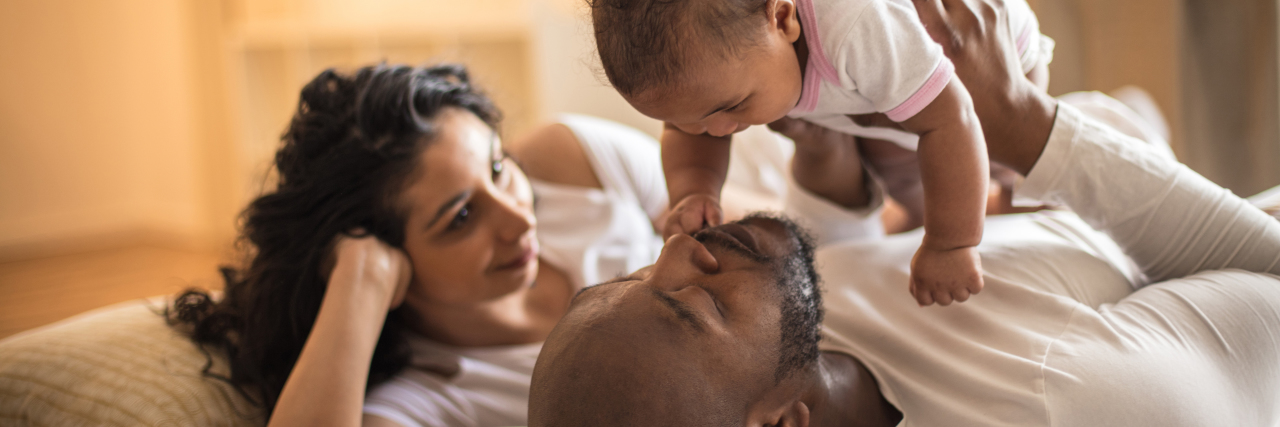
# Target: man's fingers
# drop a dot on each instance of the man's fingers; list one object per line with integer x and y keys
{"x": 933, "y": 15}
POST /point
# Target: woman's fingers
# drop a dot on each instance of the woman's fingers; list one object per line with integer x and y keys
{"x": 366, "y": 261}
{"x": 405, "y": 277}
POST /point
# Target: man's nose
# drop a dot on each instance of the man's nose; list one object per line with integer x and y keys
{"x": 682, "y": 259}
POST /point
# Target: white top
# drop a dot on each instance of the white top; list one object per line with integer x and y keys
{"x": 869, "y": 56}
{"x": 591, "y": 234}
{"x": 1067, "y": 331}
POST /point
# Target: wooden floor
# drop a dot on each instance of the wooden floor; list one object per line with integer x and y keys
{"x": 41, "y": 291}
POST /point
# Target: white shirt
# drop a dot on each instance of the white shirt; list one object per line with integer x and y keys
{"x": 590, "y": 234}
{"x": 1067, "y": 331}
{"x": 869, "y": 56}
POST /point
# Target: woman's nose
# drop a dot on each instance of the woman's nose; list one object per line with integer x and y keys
{"x": 515, "y": 218}
{"x": 682, "y": 259}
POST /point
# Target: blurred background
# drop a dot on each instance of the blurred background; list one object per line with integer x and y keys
{"x": 133, "y": 131}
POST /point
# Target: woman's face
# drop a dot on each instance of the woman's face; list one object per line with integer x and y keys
{"x": 470, "y": 230}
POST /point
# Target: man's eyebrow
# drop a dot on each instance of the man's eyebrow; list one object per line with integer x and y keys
{"x": 614, "y": 280}
{"x": 681, "y": 309}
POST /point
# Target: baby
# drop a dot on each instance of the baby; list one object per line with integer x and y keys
{"x": 711, "y": 68}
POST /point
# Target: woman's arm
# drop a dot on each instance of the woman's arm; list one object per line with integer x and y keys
{"x": 553, "y": 154}
{"x": 327, "y": 385}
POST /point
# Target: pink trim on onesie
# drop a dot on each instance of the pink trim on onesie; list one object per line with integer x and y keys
{"x": 927, "y": 93}
{"x": 818, "y": 67}
{"x": 1023, "y": 39}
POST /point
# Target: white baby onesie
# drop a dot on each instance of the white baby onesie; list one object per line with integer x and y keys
{"x": 869, "y": 56}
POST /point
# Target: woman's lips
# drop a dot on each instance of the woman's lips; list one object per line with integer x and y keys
{"x": 520, "y": 261}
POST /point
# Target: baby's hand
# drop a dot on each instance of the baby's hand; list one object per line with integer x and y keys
{"x": 691, "y": 214}
{"x": 943, "y": 276}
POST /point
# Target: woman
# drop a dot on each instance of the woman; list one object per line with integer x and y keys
{"x": 401, "y": 252}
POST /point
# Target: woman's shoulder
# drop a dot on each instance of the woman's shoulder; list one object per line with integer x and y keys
{"x": 553, "y": 154}
{"x": 586, "y": 151}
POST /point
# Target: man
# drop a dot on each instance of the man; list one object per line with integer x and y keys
{"x": 724, "y": 329}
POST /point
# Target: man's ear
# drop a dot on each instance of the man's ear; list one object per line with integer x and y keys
{"x": 785, "y": 18}
{"x": 795, "y": 414}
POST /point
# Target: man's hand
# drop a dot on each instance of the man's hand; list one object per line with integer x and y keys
{"x": 1016, "y": 115}
{"x": 693, "y": 213}
{"x": 945, "y": 276}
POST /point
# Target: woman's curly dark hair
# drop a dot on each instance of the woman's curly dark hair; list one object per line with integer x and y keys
{"x": 349, "y": 151}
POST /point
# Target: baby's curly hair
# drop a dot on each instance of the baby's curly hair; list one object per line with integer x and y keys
{"x": 645, "y": 43}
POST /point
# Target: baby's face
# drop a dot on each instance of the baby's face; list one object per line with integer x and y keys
{"x": 724, "y": 96}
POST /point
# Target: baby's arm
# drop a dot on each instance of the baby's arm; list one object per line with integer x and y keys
{"x": 953, "y": 167}
{"x": 695, "y": 166}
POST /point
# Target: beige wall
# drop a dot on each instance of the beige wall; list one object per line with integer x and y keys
{"x": 1106, "y": 44}
{"x": 125, "y": 121}
{"x": 1211, "y": 65}
{"x": 96, "y": 123}
{"x": 569, "y": 77}
{"x": 154, "y": 121}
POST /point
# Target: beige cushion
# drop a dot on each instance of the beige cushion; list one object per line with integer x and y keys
{"x": 119, "y": 365}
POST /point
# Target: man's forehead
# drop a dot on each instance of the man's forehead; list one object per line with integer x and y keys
{"x": 602, "y": 290}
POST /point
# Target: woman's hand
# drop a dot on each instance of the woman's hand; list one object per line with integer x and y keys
{"x": 368, "y": 264}
{"x": 327, "y": 384}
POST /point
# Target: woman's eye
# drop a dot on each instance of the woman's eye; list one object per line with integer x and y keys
{"x": 460, "y": 218}
{"x": 501, "y": 174}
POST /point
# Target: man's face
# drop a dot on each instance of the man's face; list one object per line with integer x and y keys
{"x": 722, "y": 321}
